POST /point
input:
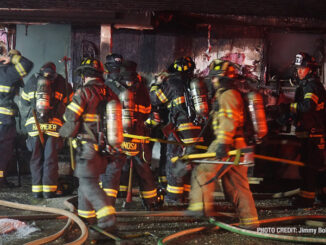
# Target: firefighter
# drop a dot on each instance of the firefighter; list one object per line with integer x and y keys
{"x": 112, "y": 66}
{"x": 13, "y": 68}
{"x": 171, "y": 95}
{"x": 228, "y": 122}
{"x": 156, "y": 121}
{"x": 308, "y": 114}
{"x": 134, "y": 97}
{"x": 82, "y": 118}
{"x": 45, "y": 96}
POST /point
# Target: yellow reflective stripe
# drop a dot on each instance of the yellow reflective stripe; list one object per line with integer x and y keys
{"x": 75, "y": 108}
{"x": 161, "y": 96}
{"x": 6, "y": 111}
{"x": 230, "y": 114}
{"x": 149, "y": 194}
{"x": 197, "y": 206}
{"x": 54, "y": 134}
{"x": 35, "y": 133}
{"x": 153, "y": 88}
{"x": 307, "y": 194}
{"x": 31, "y": 95}
{"x": 293, "y": 107}
{"x": 86, "y": 214}
{"x": 249, "y": 221}
{"x": 187, "y": 126}
{"x": 58, "y": 95}
{"x": 143, "y": 109}
{"x": 175, "y": 189}
{"x": 37, "y": 188}
{"x": 187, "y": 187}
{"x": 105, "y": 211}
{"x": 111, "y": 192}
{"x": 131, "y": 153}
{"x": 25, "y": 96}
{"x": 20, "y": 69}
{"x": 179, "y": 100}
{"x": 90, "y": 117}
{"x": 15, "y": 59}
{"x": 123, "y": 188}
{"x": 1, "y": 174}
{"x": 192, "y": 140}
{"x": 225, "y": 136}
{"x": 5, "y": 89}
{"x": 49, "y": 188}
{"x": 162, "y": 179}
{"x": 311, "y": 96}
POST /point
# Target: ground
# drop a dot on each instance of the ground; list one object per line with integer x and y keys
{"x": 149, "y": 229}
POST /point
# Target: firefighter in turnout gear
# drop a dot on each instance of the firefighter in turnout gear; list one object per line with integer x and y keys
{"x": 45, "y": 97}
{"x": 112, "y": 67}
{"x": 228, "y": 122}
{"x": 308, "y": 114}
{"x": 134, "y": 97}
{"x": 171, "y": 94}
{"x": 12, "y": 69}
{"x": 82, "y": 118}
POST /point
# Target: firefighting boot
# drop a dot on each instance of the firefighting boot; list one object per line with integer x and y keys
{"x": 108, "y": 223}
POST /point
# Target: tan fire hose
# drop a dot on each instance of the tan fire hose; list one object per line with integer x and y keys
{"x": 84, "y": 232}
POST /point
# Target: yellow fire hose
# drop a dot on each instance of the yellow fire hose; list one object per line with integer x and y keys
{"x": 231, "y": 153}
{"x": 140, "y": 137}
{"x": 209, "y": 154}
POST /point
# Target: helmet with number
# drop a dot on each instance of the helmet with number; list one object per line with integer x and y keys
{"x": 223, "y": 69}
{"x": 90, "y": 67}
{"x": 113, "y": 62}
{"x": 183, "y": 65}
{"x": 304, "y": 60}
{"x": 48, "y": 70}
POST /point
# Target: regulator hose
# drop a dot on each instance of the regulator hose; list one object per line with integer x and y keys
{"x": 84, "y": 232}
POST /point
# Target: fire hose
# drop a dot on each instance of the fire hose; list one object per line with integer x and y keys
{"x": 233, "y": 228}
{"x": 71, "y": 217}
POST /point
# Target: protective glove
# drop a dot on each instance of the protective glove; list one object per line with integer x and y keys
{"x": 222, "y": 150}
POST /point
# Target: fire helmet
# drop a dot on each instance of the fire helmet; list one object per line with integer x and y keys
{"x": 90, "y": 67}
{"x": 48, "y": 70}
{"x": 183, "y": 65}
{"x": 304, "y": 60}
{"x": 223, "y": 69}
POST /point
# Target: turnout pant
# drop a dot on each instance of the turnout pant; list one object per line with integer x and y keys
{"x": 114, "y": 176}
{"x": 312, "y": 155}
{"x": 177, "y": 187}
{"x": 92, "y": 200}
{"x": 235, "y": 184}
{"x": 7, "y": 137}
{"x": 44, "y": 163}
